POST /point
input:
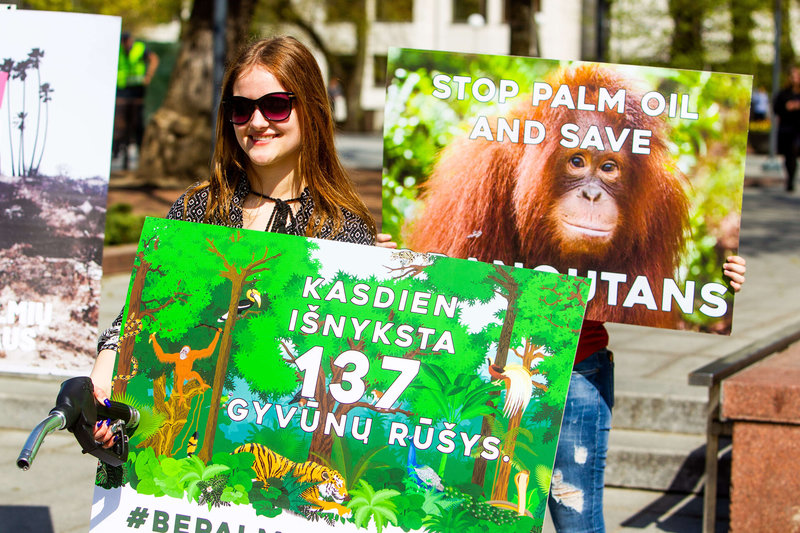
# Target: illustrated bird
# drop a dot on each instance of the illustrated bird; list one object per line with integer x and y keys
{"x": 519, "y": 386}
{"x": 253, "y": 298}
{"x": 191, "y": 447}
{"x": 298, "y": 399}
{"x": 376, "y": 395}
{"x": 423, "y": 475}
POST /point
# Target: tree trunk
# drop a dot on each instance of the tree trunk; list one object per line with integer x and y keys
{"x": 500, "y": 359}
{"x": 176, "y": 148}
{"x": 743, "y": 57}
{"x": 125, "y": 349}
{"x": 787, "y": 48}
{"x": 500, "y": 487}
{"x": 353, "y": 80}
{"x": 522, "y": 27}
{"x": 503, "y": 475}
{"x": 686, "y": 49}
{"x": 175, "y": 411}
{"x": 221, "y": 370}
{"x": 321, "y": 447}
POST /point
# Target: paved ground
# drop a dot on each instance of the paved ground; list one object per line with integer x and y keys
{"x": 55, "y": 495}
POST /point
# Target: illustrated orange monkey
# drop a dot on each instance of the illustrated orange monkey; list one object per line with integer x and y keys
{"x": 183, "y": 362}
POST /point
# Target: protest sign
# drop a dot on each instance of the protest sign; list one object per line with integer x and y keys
{"x": 630, "y": 176}
{"x": 285, "y": 380}
{"x": 57, "y": 87}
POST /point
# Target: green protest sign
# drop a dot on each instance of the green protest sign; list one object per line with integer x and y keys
{"x": 284, "y": 380}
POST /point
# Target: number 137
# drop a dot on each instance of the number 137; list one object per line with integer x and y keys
{"x": 311, "y": 361}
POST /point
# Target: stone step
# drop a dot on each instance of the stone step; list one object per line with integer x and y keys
{"x": 662, "y": 461}
{"x": 647, "y": 406}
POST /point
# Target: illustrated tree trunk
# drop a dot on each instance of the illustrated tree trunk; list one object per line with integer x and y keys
{"x": 134, "y": 309}
{"x": 511, "y": 295}
{"x": 321, "y": 447}
{"x": 177, "y": 141}
{"x": 174, "y": 410}
{"x": 221, "y": 371}
{"x": 503, "y": 475}
{"x": 500, "y": 487}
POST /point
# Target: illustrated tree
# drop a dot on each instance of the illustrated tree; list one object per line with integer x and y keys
{"x": 145, "y": 304}
{"x": 455, "y": 400}
{"x": 504, "y": 284}
{"x": 167, "y": 297}
{"x": 551, "y": 316}
{"x": 241, "y": 268}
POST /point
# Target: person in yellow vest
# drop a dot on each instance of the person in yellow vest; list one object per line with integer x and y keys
{"x": 136, "y": 68}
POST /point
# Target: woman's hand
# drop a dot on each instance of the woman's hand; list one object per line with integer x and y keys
{"x": 734, "y": 269}
{"x": 102, "y": 434}
{"x": 101, "y": 376}
{"x": 384, "y": 240}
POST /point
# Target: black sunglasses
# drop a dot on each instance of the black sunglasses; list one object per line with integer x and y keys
{"x": 273, "y": 106}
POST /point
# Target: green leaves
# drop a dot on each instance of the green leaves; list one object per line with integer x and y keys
{"x": 370, "y": 505}
{"x": 228, "y": 479}
{"x": 463, "y": 398}
{"x": 195, "y": 472}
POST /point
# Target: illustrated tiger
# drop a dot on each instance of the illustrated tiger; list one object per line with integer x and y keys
{"x": 329, "y": 482}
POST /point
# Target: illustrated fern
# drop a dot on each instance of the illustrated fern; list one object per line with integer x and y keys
{"x": 371, "y": 505}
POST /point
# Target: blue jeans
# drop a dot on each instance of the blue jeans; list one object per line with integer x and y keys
{"x": 576, "y": 491}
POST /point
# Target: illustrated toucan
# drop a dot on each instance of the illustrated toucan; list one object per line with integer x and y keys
{"x": 253, "y": 297}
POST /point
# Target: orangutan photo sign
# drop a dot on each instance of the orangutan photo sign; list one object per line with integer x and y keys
{"x": 629, "y": 176}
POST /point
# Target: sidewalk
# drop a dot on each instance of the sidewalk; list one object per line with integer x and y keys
{"x": 55, "y": 495}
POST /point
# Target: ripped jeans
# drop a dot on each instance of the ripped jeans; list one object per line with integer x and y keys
{"x": 576, "y": 492}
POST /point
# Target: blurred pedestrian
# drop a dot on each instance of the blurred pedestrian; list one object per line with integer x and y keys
{"x": 338, "y": 101}
{"x": 135, "y": 70}
{"x": 760, "y": 105}
{"x": 787, "y": 109}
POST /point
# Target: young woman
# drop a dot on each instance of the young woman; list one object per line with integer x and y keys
{"x": 274, "y": 168}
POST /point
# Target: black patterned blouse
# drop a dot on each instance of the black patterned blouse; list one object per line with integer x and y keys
{"x": 354, "y": 230}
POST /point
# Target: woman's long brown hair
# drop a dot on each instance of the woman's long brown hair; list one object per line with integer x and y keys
{"x": 319, "y": 167}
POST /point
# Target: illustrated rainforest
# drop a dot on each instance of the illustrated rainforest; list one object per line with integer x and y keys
{"x": 352, "y": 386}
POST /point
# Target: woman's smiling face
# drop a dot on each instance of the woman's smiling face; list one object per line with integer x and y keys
{"x": 265, "y": 142}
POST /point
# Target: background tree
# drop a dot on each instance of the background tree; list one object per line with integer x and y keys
{"x": 524, "y": 37}
{"x": 687, "y": 49}
{"x": 135, "y": 14}
{"x": 743, "y": 58}
{"x": 177, "y": 141}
